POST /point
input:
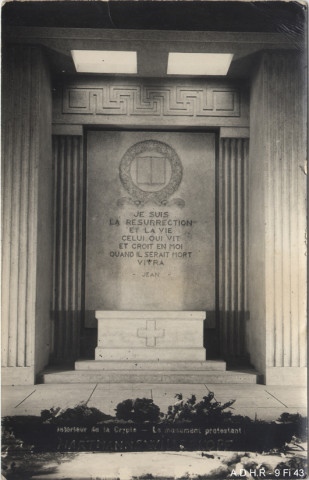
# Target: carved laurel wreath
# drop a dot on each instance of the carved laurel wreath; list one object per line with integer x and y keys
{"x": 140, "y": 196}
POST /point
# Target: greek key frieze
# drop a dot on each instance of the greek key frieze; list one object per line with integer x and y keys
{"x": 140, "y": 100}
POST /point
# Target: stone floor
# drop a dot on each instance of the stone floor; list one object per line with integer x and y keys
{"x": 256, "y": 401}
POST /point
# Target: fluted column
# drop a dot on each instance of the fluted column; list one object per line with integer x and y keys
{"x": 232, "y": 235}
{"x": 277, "y": 256}
{"x": 26, "y": 214}
{"x": 69, "y": 192}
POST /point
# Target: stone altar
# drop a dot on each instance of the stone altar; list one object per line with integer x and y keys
{"x": 150, "y": 336}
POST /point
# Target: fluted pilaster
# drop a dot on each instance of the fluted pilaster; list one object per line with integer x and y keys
{"x": 232, "y": 234}
{"x": 278, "y": 186}
{"x": 26, "y": 247}
{"x": 68, "y": 245}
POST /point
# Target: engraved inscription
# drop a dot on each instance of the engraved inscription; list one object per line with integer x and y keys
{"x": 154, "y": 241}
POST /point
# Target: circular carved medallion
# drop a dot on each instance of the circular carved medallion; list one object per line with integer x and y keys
{"x": 150, "y": 171}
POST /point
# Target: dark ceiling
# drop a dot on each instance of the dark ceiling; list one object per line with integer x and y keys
{"x": 232, "y": 16}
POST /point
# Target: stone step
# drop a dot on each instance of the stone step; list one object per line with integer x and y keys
{"x": 153, "y": 377}
{"x": 208, "y": 365}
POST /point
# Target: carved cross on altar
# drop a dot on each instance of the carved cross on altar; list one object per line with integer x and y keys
{"x": 150, "y": 333}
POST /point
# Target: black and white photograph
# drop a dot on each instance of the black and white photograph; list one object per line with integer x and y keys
{"x": 154, "y": 239}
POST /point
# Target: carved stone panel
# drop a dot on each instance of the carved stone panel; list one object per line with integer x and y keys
{"x": 155, "y": 249}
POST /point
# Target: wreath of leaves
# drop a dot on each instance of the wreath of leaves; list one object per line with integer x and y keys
{"x": 140, "y": 195}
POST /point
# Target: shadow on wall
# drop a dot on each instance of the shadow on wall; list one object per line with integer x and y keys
{"x": 232, "y": 328}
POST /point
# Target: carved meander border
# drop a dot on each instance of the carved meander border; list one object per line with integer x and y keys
{"x": 138, "y": 101}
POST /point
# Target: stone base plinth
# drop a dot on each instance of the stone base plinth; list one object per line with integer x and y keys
{"x": 150, "y": 336}
{"x": 168, "y": 374}
{"x": 151, "y": 366}
{"x": 286, "y": 376}
{"x": 17, "y": 376}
